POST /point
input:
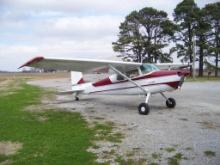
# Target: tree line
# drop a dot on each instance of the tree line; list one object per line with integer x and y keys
{"x": 148, "y": 35}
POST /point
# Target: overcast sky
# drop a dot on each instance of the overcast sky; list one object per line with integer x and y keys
{"x": 65, "y": 28}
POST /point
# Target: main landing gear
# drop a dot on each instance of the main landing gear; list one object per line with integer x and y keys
{"x": 170, "y": 102}
{"x": 144, "y": 108}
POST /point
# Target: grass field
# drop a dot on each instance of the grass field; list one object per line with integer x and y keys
{"x": 45, "y": 137}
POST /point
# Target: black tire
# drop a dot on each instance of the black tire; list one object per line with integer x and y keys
{"x": 170, "y": 102}
{"x": 143, "y": 109}
{"x": 77, "y": 98}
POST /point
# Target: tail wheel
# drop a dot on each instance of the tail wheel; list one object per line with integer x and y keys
{"x": 143, "y": 109}
{"x": 170, "y": 102}
{"x": 77, "y": 98}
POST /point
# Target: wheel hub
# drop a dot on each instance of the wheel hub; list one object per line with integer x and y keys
{"x": 143, "y": 109}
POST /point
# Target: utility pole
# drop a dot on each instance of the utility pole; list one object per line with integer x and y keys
{"x": 194, "y": 57}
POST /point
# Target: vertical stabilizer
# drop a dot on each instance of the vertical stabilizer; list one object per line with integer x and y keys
{"x": 76, "y": 78}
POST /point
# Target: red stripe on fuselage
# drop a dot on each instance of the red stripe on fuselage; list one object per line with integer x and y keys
{"x": 160, "y": 73}
{"x": 173, "y": 84}
{"x": 103, "y": 82}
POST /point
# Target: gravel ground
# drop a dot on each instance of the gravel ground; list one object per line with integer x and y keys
{"x": 188, "y": 131}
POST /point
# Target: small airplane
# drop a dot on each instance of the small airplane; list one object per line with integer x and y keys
{"x": 128, "y": 78}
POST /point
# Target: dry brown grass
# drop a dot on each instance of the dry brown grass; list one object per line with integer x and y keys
{"x": 9, "y": 86}
{"x": 33, "y": 76}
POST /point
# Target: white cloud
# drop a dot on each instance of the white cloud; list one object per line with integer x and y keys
{"x": 12, "y": 56}
{"x": 76, "y": 49}
{"x": 93, "y": 6}
{"x": 90, "y": 27}
{"x": 88, "y": 37}
{"x": 75, "y": 5}
{"x": 66, "y": 28}
{"x": 11, "y": 49}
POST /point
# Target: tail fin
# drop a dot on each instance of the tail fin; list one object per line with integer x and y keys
{"x": 76, "y": 78}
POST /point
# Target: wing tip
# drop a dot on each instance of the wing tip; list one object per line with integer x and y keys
{"x": 32, "y": 61}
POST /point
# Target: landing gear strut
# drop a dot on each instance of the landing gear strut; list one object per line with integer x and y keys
{"x": 76, "y": 96}
{"x": 170, "y": 102}
{"x": 144, "y": 108}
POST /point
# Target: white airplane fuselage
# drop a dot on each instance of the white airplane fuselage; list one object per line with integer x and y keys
{"x": 153, "y": 82}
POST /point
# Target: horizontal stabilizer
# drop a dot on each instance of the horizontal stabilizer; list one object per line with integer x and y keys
{"x": 69, "y": 92}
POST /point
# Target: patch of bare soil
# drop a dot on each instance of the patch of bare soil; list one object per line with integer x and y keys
{"x": 6, "y": 162}
{"x": 46, "y": 104}
{"x": 37, "y": 108}
{"x": 42, "y": 118}
{"x": 9, "y": 148}
{"x": 209, "y": 125}
{"x": 8, "y": 87}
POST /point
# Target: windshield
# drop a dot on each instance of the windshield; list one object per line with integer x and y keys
{"x": 146, "y": 68}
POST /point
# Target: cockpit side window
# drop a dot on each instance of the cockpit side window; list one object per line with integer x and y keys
{"x": 120, "y": 77}
{"x": 130, "y": 74}
{"x": 146, "y": 68}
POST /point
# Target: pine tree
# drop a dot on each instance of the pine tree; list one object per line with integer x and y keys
{"x": 144, "y": 34}
{"x": 185, "y": 15}
{"x": 202, "y": 32}
{"x": 213, "y": 15}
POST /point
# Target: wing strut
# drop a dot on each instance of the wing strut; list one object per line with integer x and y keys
{"x": 126, "y": 77}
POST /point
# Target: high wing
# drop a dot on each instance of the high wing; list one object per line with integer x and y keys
{"x": 173, "y": 65}
{"x": 76, "y": 64}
